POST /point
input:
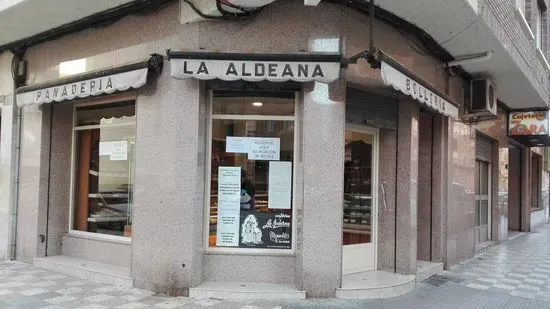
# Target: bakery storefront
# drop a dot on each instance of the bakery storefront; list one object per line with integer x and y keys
{"x": 286, "y": 170}
{"x": 87, "y": 126}
{"x": 260, "y": 202}
{"x": 253, "y": 107}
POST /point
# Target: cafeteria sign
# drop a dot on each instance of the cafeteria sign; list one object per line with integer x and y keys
{"x": 528, "y": 123}
{"x": 254, "y": 67}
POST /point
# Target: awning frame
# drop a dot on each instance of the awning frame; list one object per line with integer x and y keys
{"x": 377, "y": 56}
{"x": 297, "y": 57}
{"x": 154, "y": 63}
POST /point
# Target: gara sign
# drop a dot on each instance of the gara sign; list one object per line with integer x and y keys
{"x": 528, "y": 123}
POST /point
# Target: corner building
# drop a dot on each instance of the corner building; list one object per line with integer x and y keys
{"x": 257, "y": 156}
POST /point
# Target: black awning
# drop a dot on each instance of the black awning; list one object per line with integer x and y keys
{"x": 104, "y": 81}
{"x": 533, "y": 140}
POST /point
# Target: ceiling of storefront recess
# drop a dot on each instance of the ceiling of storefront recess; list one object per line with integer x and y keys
{"x": 20, "y": 19}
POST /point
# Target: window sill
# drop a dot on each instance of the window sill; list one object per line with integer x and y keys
{"x": 257, "y": 252}
{"x": 101, "y": 237}
{"x": 536, "y": 209}
{"x": 524, "y": 24}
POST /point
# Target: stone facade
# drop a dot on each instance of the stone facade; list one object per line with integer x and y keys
{"x": 171, "y": 152}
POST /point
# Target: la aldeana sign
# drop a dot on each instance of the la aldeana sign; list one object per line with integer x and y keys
{"x": 254, "y": 71}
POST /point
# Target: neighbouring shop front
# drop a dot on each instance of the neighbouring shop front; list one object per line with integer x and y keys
{"x": 528, "y": 131}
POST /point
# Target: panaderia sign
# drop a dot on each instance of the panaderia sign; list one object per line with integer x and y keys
{"x": 255, "y": 67}
{"x": 84, "y": 88}
{"x": 528, "y": 123}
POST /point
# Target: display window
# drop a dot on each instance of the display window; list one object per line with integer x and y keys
{"x": 252, "y": 153}
{"x": 103, "y": 168}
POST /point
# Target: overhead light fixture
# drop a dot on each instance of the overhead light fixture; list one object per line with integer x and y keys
{"x": 257, "y": 104}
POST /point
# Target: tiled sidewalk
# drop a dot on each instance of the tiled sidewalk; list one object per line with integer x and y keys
{"x": 518, "y": 267}
{"x": 515, "y": 274}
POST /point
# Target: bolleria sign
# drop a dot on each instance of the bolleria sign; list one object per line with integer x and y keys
{"x": 276, "y": 71}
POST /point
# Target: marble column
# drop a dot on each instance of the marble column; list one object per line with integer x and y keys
{"x": 525, "y": 190}
{"x": 439, "y": 187}
{"x": 425, "y": 159}
{"x": 386, "y": 199}
{"x": 168, "y": 219}
{"x": 33, "y": 183}
{"x": 7, "y": 173}
{"x": 323, "y": 188}
{"x": 407, "y": 188}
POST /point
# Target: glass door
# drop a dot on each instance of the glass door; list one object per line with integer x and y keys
{"x": 359, "y": 209}
{"x": 482, "y": 200}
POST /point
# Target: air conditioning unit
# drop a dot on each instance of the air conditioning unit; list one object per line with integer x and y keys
{"x": 483, "y": 97}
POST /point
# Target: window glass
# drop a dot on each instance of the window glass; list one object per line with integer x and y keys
{"x": 538, "y": 27}
{"x": 259, "y": 103}
{"x": 104, "y": 114}
{"x": 103, "y": 177}
{"x": 484, "y": 178}
{"x": 358, "y": 177}
{"x": 251, "y": 173}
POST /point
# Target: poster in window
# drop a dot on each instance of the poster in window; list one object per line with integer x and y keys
{"x": 268, "y": 230}
{"x": 280, "y": 185}
{"x": 229, "y": 192}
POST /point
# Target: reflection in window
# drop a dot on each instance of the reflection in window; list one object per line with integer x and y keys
{"x": 103, "y": 177}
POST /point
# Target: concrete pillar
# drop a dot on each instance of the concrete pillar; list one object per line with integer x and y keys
{"x": 407, "y": 188}
{"x": 8, "y": 136}
{"x": 168, "y": 219}
{"x": 323, "y": 180}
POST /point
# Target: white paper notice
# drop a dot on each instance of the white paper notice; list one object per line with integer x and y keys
{"x": 279, "y": 185}
{"x": 116, "y": 150}
{"x": 234, "y": 144}
{"x": 229, "y": 198}
{"x": 265, "y": 148}
{"x": 119, "y": 151}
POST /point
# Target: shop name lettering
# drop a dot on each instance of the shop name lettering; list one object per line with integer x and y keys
{"x": 275, "y": 224}
{"x": 283, "y": 238}
{"x": 259, "y": 70}
{"x": 74, "y": 89}
{"x": 425, "y": 95}
{"x": 517, "y": 127}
